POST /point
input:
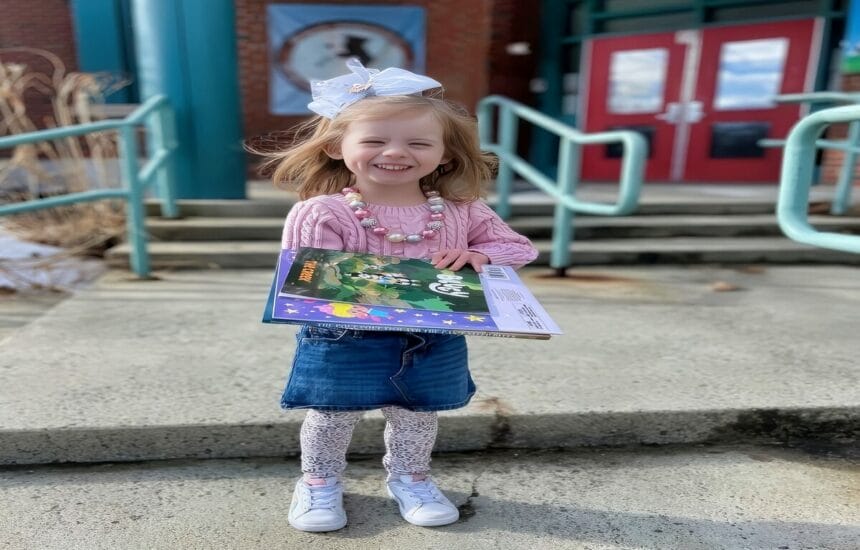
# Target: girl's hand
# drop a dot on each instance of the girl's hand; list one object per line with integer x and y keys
{"x": 456, "y": 258}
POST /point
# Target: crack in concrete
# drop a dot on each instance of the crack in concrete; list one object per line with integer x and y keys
{"x": 467, "y": 509}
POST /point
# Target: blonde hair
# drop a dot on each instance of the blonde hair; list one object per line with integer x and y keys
{"x": 306, "y": 167}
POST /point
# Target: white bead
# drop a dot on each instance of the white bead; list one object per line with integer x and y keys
{"x": 436, "y": 200}
{"x": 353, "y": 196}
{"x": 437, "y": 207}
{"x": 414, "y": 238}
{"x": 396, "y": 237}
{"x": 357, "y": 204}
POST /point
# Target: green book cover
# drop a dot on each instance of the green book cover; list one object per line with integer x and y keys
{"x": 384, "y": 281}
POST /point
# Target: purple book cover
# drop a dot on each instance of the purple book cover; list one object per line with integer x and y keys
{"x": 513, "y": 311}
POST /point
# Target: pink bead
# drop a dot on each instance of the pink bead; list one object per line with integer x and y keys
{"x": 428, "y": 234}
{"x": 437, "y": 216}
{"x": 346, "y": 190}
{"x": 361, "y": 214}
{"x": 380, "y": 230}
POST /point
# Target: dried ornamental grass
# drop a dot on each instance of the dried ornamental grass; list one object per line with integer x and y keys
{"x": 61, "y": 166}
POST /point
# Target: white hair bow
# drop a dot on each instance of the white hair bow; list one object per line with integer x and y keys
{"x": 335, "y": 94}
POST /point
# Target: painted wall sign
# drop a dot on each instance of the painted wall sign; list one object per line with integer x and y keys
{"x": 312, "y": 42}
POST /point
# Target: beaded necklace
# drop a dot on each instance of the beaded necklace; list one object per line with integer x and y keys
{"x": 369, "y": 221}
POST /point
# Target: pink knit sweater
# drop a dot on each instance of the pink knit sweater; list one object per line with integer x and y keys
{"x": 326, "y": 221}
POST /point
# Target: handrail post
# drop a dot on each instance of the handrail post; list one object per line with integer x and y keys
{"x": 485, "y": 122}
{"x": 842, "y": 192}
{"x": 796, "y": 177}
{"x": 566, "y": 182}
{"x": 135, "y": 214}
{"x": 164, "y": 135}
{"x": 508, "y": 143}
{"x": 632, "y": 171}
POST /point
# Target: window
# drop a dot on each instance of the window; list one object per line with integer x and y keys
{"x": 750, "y": 74}
{"x": 637, "y": 80}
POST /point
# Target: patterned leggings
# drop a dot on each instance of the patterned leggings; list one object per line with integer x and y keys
{"x": 409, "y": 438}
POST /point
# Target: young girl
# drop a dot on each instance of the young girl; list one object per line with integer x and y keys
{"x": 387, "y": 171}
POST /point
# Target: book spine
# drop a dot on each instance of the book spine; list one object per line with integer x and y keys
{"x": 377, "y": 328}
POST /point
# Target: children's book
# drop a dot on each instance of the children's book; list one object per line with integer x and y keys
{"x": 382, "y": 281}
{"x": 373, "y": 292}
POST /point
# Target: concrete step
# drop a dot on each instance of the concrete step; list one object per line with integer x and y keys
{"x": 539, "y": 205}
{"x": 697, "y": 250}
{"x": 182, "y": 367}
{"x": 675, "y": 250}
{"x": 729, "y": 497}
{"x": 535, "y": 227}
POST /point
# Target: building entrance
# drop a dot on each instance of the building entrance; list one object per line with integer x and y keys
{"x": 701, "y": 97}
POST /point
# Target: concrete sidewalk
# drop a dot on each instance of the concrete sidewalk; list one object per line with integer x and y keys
{"x": 648, "y": 499}
{"x": 182, "y": 367}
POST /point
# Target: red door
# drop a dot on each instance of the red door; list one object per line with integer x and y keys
{"x": 702, "y": 98}
{"x": 632, "y": 80}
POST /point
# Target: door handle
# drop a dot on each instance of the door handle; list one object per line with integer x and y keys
{"x": 694, "y": 112}
{"x": 691, "y": 112}
{"x": 672, "y": 114}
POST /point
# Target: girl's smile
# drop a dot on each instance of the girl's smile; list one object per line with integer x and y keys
{"x": 394, "y": 167}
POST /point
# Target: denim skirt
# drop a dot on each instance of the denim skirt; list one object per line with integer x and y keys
{"x": 340, "y": 369}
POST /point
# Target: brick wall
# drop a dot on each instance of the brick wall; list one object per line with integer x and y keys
{"x": 42, "y": 24}
{"x": 458, "y": 53}
{"x": 831, "y": 162}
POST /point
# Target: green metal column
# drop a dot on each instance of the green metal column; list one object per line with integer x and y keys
{"x": 103, "y": 39}
{"x": 554, "y": 16}
{"x": 186, "y": 50}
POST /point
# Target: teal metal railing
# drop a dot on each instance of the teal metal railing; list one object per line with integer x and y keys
{"x": 798, "y": 164}
{"x": 563, "y": 189}
{"x": 158, "y": 117}
{"x": 850, "y": 145}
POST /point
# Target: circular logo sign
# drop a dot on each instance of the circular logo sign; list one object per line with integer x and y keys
{"x": 319, "y": 52}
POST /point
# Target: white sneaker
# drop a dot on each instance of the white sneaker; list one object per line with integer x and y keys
{"x": 318, "y": 508}
{"x": 421, "y": 502}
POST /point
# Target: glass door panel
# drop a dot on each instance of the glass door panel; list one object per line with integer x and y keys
{"x": 630, "y": 83}
{"x": 741, "y": 69}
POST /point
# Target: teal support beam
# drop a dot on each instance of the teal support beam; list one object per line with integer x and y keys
{"x": 103, "y": 41}
{"x": 186, "y": 50}
{"x": 554, "y": 15}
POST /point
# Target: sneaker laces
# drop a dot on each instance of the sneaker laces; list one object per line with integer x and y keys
{"x": 425, "y": 490}
{"x": 322, "y": 497}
